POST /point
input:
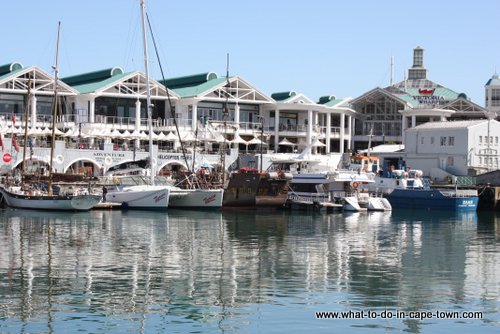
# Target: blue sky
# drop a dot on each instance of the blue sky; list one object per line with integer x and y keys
{"x": 340, "y": 48}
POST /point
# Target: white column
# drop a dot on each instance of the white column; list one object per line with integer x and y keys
{"x": 237, "y": 113}
{"x": 328, "y": 132}
{"x": 276, "y": 129}
{"x": 342, "y": 133}
{"x": 413, "y": 121}
{"x": 403, "y": 132}
{"x": 351, "y": 124}
{"x": 309, "y": 129}
{"x": 137, "y": 115}
{"x": 137, "y": 120}
{"x": 194, "y": 117}
{"x": 92, "y": 111}
{"x": 33, "y": 111}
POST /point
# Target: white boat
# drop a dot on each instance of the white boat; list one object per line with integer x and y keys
{"x": 17, "y": 197}
{"x": 192, "y": 198}
{"x": 135, "y": 192}
{"x": 341, "y": 186}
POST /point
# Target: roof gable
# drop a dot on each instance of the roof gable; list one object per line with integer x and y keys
{"x": 42, "y": 83}
{"x": 233, "y": 89}
{"x": 124, "y": 84}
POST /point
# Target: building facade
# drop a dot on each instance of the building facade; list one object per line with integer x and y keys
{"x": 457, "y": 148}
{"x": 386, "y": 113}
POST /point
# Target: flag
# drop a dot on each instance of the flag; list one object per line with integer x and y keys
{"x": 14, "y": 142}
{"x": 1, "y": 142}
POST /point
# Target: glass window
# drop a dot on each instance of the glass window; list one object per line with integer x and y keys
{"x": 432, "y": 140}
{"x": 443, "y": 141}
{"x": 451, "y": 141}
{"x": 422, "y": 140}
{"x": 480, "y": 140}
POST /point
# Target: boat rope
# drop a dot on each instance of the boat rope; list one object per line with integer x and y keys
{"x": 172, "y": 114}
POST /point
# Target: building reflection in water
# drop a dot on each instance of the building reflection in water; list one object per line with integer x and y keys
{"x": 194, "y": 266}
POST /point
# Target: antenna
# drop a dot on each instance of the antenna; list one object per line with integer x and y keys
{"x": 392, "y": 70}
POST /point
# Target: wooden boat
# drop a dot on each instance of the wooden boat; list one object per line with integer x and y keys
{"x": 247, "y": 187}
{"x": 33, "y": 195}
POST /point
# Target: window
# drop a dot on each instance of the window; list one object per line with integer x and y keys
{"x": 480, "y": 140}
{"x": 450, "y": 161}
{"x": 443, "y": 141}
{"x": 432, "y": 140}
{"x": 422, "y": 140}
{"x": 496, "y": 140}
{"x": 451, "y": 141}
{"x": 495, "y": 97}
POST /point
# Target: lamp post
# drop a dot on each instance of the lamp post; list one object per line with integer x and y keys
{"x": 261, "y": 138}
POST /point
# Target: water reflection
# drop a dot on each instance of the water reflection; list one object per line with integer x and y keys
{"x": 184, "y": 271}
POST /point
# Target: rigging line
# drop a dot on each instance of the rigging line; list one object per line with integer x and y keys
{"x": 168, "y": 94}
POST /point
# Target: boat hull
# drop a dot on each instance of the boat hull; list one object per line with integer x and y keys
{"x": 430, "y": 199}
{"x": 256, "y": 190}
{"x": 45, "y": 202}
{"x": 141, "y": 197}
{"x": 196, "y": 198}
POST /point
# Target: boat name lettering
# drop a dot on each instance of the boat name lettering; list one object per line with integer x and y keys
{"x": 159, "y": 197}
{"x": 209, "y": 199}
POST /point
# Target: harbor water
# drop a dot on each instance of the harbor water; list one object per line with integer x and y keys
{"x": 249, "y": 272}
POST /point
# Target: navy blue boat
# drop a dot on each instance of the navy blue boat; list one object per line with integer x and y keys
{"x": 428, "y": 198}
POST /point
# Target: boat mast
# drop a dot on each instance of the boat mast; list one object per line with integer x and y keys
{"x": 148, "y": 93}
{"x": 26, "y": 112}
{"x": 225, "y": 115}
{"x": 54, "y": 111}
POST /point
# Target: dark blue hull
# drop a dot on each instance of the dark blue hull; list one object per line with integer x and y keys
{"x": 430, "y": 199}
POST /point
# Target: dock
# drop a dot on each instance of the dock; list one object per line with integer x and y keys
{"x": 107, "y": 206}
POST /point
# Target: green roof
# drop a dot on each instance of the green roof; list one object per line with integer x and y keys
{"x": 94, "y": 86}
{"x": 325, "y": 99}
{"x": 337, "y": 103}
{"x": 188, "y": 81}
{"x": 92, "y": 77}
{"x": 197, "y": 89}
{"x": 8, "y": 68}
{"x": 283, "y": 95}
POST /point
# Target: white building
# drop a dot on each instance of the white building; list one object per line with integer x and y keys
{"x": 457, "y": 148}
{"x": 492, "y": 95}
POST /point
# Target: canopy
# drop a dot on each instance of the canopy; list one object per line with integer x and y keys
{"x": 286, "y": 142}
{"x": 255, "y": 140}
{"x": 317, "y": 143}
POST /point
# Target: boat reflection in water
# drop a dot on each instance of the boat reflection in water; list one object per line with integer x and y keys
{"x": 185, "y": 271}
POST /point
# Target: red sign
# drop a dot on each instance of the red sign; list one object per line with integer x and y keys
{"x": 7, "y": 157}
{"x": 424, "y": 91}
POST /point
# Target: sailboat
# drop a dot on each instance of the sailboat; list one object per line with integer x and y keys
{"x": 194, "y": 197}
{"x": 34, "y": 196}
{"x": 135, "y": 191}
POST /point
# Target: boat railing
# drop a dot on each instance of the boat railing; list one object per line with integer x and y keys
{"x": 310, "y": 198}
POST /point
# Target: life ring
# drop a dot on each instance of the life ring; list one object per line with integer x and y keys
{"x": 108, "y": 160}
{"x": 355, "y": 185}
{"x": 59, "y": 159}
